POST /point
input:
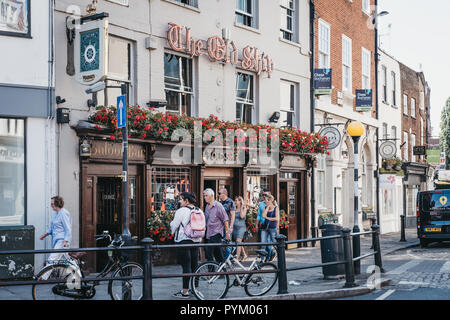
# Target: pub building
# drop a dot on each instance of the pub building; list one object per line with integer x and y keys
{"x": 196, "y": 59}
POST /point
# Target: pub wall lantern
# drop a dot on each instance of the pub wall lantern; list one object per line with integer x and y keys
{"x": 85, "y": 149}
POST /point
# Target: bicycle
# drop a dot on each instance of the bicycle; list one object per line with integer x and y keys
{"x": 217, "y": 286}
{"x": 69, "y": 271}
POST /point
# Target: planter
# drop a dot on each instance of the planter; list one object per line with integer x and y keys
{"x": 397, "y": 167}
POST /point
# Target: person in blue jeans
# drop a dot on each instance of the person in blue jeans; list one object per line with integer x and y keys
{"x": 271, "y": 226}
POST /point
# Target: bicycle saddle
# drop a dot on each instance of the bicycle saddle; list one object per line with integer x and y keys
{"x": 77, "y": 255}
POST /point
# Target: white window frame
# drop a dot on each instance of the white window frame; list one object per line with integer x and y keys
{"x": 405, "y": 104}
{"x": 346, "y": 63}
{"x": 293, "y": 108}
{"x": 413, "y": 108}
{"x": 405, "y": 147}
{"x": 384, "y": 83}
{"x": 366, "y": 66}
{"x": 324, "y": 44}
{"x": 252, "y": 15}
{"x": 413, "y": 144}
{"x": 365, "y": 6}
{"x": 422, "y": 100}
{"x": 394, "y": 88}
{"x": 284, "y": 8}
{"x": 385, "y": 130}
{"x": 249, "y": 101}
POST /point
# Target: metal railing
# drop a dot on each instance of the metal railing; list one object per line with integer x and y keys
{"x": 147, "y": 248}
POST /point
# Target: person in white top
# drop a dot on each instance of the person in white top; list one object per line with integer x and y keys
{"x": 187, "y": 257}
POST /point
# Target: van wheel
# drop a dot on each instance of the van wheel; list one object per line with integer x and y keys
{"x": 423, "y": 243}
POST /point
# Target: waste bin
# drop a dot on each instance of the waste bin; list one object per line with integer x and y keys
{"x": 16, "y": 266}
{"x": 332, "y": 250}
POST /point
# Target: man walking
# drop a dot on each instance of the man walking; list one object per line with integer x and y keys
{"x": 230, "y": 208}
{"x": 259, "y": 219}
{"x": 216, "y": 222}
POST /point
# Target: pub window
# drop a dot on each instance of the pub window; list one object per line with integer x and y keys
{"x": 119, "y": 70}
{"x": 287, "y": 19}
{"x": 178, "y": 84}
{"x": 167, "y": 185}
{"x": 245, "y": 13}
{"x": 12, "y": 172}
{"x": 192, "y": 3}
{"x": 394, "y": 89}
{"x": 245, "y": 101}
{"x": 255, "y": 184}
{"x": 287, "y": 104}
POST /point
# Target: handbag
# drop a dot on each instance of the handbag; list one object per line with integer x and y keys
{"x": 265, "y": 225}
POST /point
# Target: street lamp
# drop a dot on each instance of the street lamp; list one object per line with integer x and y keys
{"x": 355, "y": 129}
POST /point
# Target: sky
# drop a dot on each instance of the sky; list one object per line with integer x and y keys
{"x": 419, "y": 36}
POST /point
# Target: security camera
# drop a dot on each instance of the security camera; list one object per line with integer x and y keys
{"x": 96, "y": 87}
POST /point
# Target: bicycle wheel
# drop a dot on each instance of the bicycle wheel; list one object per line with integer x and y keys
{"x": 259, "y": 284}
{"x": 127, "y": 289}
{"x": 65, "y": 290}
{"x": 209, "y": 287}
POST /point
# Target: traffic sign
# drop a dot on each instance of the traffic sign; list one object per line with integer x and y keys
{"x": 121, "y": 112}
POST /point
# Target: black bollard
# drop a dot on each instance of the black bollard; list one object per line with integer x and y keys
{"x": 373, "y": 222}
{"x": 282, "y": 273}
{"x": 402, "y": 236}
{"x": 377, "y": 247}
{"x": 147, "y": 293}
{"x": 349, "y": 270}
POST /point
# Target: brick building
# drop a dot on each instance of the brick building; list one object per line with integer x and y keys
{"x": 415, "y": 132}
{"x": 345, "y": 43}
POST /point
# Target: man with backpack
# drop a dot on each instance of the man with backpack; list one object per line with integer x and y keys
{"x": 216, "y": 224}
{"x": 189, "y": 227}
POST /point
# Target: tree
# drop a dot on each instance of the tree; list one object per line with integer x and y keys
{"x": 444, "y": 140}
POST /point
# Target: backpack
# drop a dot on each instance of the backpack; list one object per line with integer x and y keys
{"x": 196, "y": 228}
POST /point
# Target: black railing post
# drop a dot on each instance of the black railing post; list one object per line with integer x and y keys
{"x": 377, "y": 247}
{"x": 147, "y": 293}
{"x": 402, "y": 237}
{"x": 282, "y": 273}
{"x": 349, "y": 271}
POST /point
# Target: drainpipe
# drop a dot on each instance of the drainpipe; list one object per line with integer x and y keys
{"x": 312, "y": 13}
{"x": 376, "y": 113}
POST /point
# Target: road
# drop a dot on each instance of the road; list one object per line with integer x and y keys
{"x": 417, "y": 274}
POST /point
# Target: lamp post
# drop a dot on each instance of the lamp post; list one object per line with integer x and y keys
{"x": 356, "y": 130}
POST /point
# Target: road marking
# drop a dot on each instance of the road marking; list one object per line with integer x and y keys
{"x": 404, "y": 267}
{"x": 445, "y": 268}
{"x": 414, "y": 283}
{"x": 385, "y": 295}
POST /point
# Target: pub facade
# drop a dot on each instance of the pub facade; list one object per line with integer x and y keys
{"x": 200, "y": 58}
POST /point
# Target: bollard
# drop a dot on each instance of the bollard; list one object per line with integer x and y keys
{"x": 282, "y": 273}
{"x": 373, "y": 222}
{"x": 356, "y": 251}
{"x": 147, "y": 293}
{"x": 402, "y": 219}
{"x": 377, "y": 247}
{"x": 349, "y": 271}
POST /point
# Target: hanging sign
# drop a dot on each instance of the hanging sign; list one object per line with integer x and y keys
{"x": 219, "y": 49}
{"x": 322, "y": 81}
{"x": 364, "y": 100}
{"x": 419, "y": 150}
{"x": 388, "y": 149}
{"x": 91, "y": 52}
{"x": 333, "y": 136}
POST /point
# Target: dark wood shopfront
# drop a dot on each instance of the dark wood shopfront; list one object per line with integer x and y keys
{"x": 155, "y": 183}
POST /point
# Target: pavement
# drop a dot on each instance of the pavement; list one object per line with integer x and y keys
{"x": 307, "y": 284}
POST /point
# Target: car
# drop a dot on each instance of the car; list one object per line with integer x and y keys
{"x": 433, "y": 216}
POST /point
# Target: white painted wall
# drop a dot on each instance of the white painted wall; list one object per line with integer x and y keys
{"x": 25, "y": 61}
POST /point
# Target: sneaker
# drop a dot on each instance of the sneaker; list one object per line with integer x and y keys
{"x": 181, "y": 294}
{"x": 274, "y": 254}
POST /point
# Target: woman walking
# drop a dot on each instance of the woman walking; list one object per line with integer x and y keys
{"x": 60, "y": 229}
{"x": 271, "y": 226}
{"x": 240, "y": 227}
{"x": 187, "y": 257}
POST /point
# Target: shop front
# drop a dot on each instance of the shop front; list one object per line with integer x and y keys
{"x": 415, "y": 180}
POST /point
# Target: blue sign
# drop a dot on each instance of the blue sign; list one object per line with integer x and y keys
{"x": 121, "y": 112}
{"x": 364, "y": 100}
{"x": 322, "y": 81}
